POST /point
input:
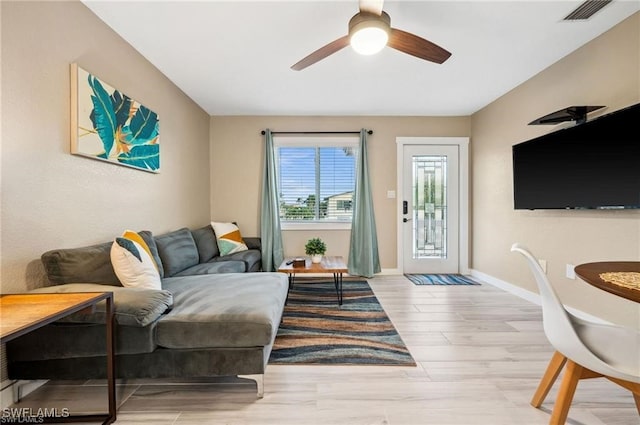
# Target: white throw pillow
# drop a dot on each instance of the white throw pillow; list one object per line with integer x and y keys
{"x": 229, "y": 238}
{"x": 133, "y": 266}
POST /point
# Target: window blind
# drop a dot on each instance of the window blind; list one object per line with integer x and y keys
{"x": 316, "y": 182}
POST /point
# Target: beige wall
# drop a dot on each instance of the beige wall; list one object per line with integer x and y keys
{"x": 236, "y": 170}
{"x": 51, "y": 199}
{"x": 606, "y": 71}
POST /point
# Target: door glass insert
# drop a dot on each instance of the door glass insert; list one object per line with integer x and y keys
{"x": 429, "y": 206}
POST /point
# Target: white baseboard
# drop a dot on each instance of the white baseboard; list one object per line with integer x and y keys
{"x": 508, "y": 287}
{"x": 7, "y": 396}
{"x": 530, "y": 296}
{"x": 389, "y": 272}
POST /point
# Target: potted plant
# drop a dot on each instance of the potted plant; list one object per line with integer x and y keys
{"x": 316, "y": 249}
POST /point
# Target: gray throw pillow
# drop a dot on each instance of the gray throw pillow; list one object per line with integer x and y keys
{"x": 147, "y": 236}
{"x": 87, "y": 264}
{"x": 177, "y": 250}
{"x": 206, "y": 242}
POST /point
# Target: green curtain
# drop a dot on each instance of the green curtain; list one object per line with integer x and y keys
{"x": 270, "y": 230}
{"x": 363, "y": 250}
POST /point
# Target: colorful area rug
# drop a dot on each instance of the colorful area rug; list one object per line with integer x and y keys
{"x": 440, "y": 279}
{"x": 315, "y": 330}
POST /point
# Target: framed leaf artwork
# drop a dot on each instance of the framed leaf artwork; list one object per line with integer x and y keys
{"x": 108, "y": 125}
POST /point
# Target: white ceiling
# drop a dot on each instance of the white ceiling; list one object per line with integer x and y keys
{"x": 233, "y": 57}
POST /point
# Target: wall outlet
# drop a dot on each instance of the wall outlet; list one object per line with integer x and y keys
{"x": 391, "y": 194}
{"x": 571, "y": 274}
{"x": 543, "y": 264}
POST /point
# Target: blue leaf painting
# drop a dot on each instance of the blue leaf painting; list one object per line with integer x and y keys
{"x": 114, "y": 127}
{"x": 143, "y": 126}
{"x": 103, "y": 116}
{"x": 125, "y": 134}
{"x": 142, "y": 156}
{"x": 121, "y": 106}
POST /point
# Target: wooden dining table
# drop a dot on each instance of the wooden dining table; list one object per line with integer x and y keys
{"x": 615, "y": 277}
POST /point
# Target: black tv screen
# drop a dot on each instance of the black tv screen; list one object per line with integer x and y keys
{"x": 595, "y": 165}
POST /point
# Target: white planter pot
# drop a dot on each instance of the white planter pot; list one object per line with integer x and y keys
{"x": 317, "y": 258}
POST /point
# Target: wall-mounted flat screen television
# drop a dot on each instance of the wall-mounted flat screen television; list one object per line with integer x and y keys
{"x": 595, "y": 165}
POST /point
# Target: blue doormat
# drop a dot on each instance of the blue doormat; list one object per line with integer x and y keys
{"x": 440, "y": 279}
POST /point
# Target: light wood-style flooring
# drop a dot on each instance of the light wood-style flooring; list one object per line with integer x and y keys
{"x": 480, "y": 353}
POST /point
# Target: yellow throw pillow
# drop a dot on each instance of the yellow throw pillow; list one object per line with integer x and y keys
{"x": 135, "y": 237}
{"x": 228, "y": 237}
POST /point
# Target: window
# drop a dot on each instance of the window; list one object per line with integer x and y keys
{"x": 316, "y": 179}
{"x": 344, "y": 205}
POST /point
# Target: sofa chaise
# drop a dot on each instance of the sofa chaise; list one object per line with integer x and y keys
{"x": 213, "y": 316}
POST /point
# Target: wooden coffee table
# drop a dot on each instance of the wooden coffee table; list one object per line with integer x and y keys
{"x": 334, "y": 265}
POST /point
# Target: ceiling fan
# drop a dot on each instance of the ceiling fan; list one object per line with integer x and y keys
{"x": 369, "y": 31}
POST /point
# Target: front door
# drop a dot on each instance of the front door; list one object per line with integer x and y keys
{"x": 430, "y": 208}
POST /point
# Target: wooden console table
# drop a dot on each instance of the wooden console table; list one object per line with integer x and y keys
{"x": 23, "y": 313}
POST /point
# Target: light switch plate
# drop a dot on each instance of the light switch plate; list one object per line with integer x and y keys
{"x": 571, "y": 273}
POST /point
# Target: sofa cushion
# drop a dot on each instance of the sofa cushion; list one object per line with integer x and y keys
{"x": 217, "y": 267}
{"x": 206, "y": 242}
{"x": 252, "y": 259}
{"x": 63, "y": 340}
{"x": 224, "y": 310}
{"x": 147, "y": 236}
{"x": 228, "y": 237}
{"x": 132, "y": 306}
{"x": 91, "y": 264}
{"x": 177, "y": 251}
{"x": 133, "y": 265}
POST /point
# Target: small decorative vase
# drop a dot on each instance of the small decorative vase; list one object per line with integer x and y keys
{"x": 316, "y": 258}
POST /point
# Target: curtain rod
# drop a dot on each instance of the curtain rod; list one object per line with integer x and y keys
{"x": 315, "y": 132}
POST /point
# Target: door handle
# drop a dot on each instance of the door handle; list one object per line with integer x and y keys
{"x": 404, "y": 220}
{"x": 405, "y": 207}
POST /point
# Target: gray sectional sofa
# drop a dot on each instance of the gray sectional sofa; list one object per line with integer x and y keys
{"x": 213, "y": 316}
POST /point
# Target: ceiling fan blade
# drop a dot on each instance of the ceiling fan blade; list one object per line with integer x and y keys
{"x": 417, "y": 46}
{"x": 371, "y": 6}
{"x": 322, "y": 53}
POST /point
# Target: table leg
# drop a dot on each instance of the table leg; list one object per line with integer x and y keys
{"x": 111, "y": 363}
{"x": 337, "y": 281}
{"x": 292, "y": 277}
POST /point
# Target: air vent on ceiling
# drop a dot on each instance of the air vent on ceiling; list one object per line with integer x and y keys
{"x": 586, "y": 10}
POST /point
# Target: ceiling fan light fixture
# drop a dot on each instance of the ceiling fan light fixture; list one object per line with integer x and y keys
{"x": 369, "y": 41}
{"x": 369, "y": 33}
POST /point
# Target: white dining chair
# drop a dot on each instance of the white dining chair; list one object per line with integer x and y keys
{"x": 588, "y": 349}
